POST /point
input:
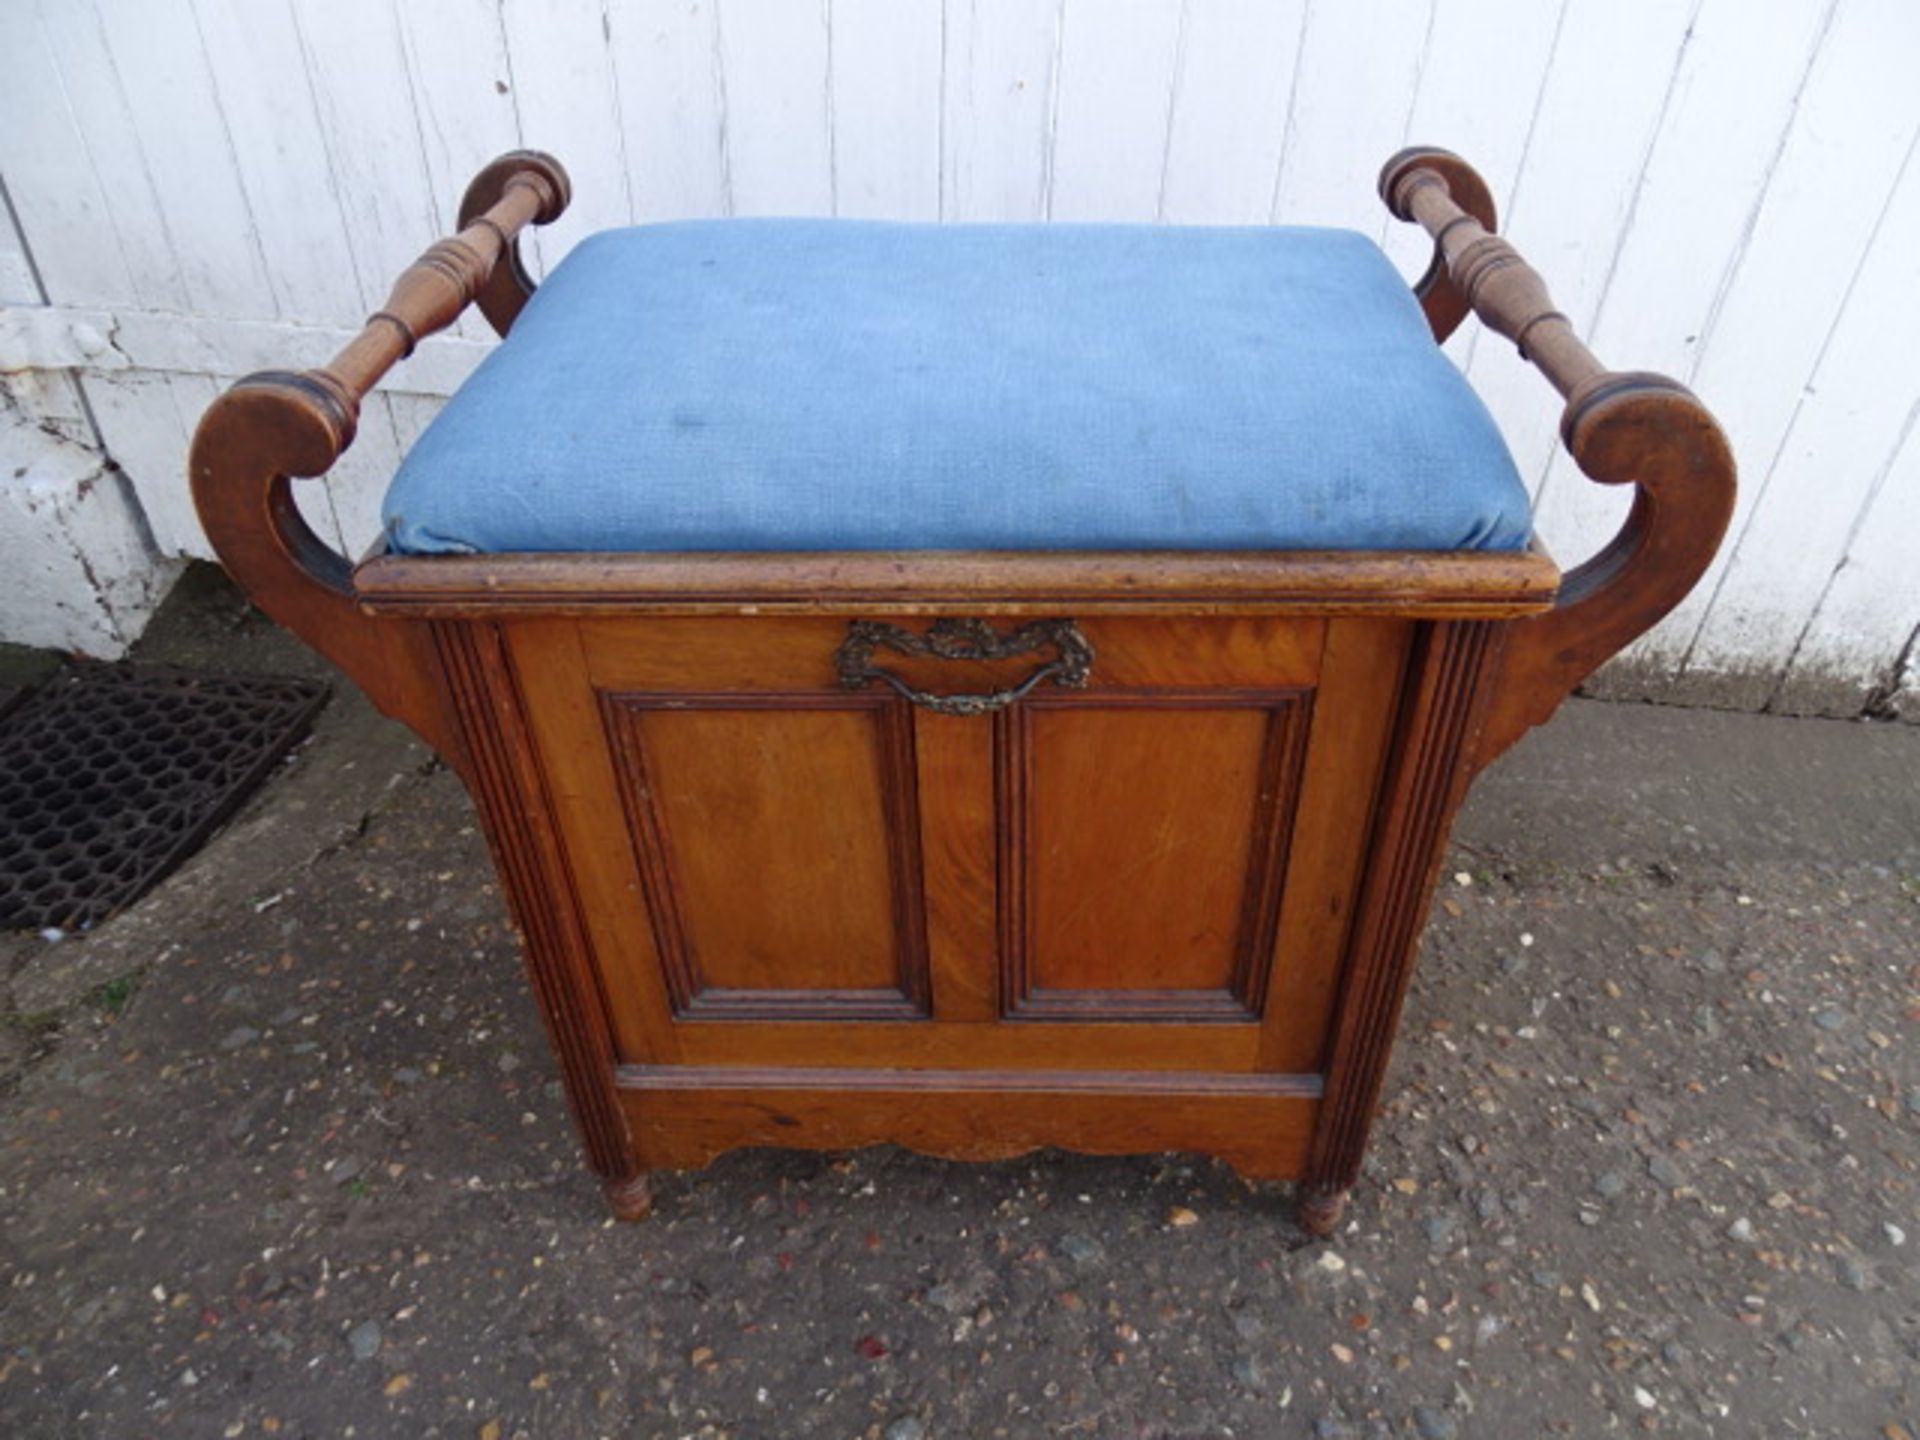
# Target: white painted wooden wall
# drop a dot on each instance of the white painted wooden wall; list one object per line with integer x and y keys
{"x": 1720, "y": 189}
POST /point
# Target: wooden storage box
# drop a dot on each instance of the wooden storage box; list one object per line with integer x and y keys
{"x": 973, "y": 852}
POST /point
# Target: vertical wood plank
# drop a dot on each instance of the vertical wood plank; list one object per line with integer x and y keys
{"x": 463, "y": 104}
{"x": 411, "y": 416}
{"x": 1230, "y": 105}
{"x": 1853, "y": 401}
{"x": 1858, "y": 118}
{"x": 255, "y": 57}
{"x": 666, "y": 67}
{"x": 54, "y": 188}
{"x": 18, "y": 286}
{"x": 1358, "y": 71}
{"x": 1116, "y": 67}
{"x": 376, "y": 169}
{"x": 774, "y": 69}
{"x": 358, "y": 482}
{"x": 569, "y": 104}
{"x": 886, "y": 108}
{"x": 1861, "y": 647}
{"x": 145, "y": 433}
{"x": 1732, "y": 101}
{"x": 1361, "y": 666}
{"x": 998, "y": 108}
{"x": 580, "y": 777}
{"x": 463, "y": 99}
{"x": 1424, "y": 785}
{"x": 1574, "y": 195}
{"x": 1479, "y": 85}
{"x": 48, "y": 399}
{"x": 186, "y": 153}
{"x": 135, "y": 226}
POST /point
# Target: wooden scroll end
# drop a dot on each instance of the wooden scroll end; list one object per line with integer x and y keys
{"x": 266, "y": 429}
{"x": 1653, "y": 433}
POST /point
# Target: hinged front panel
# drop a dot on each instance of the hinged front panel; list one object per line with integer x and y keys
{"x": 926, "y": 857}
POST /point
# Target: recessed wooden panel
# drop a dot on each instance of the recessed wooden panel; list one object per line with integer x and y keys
{"x": 1143, "y": 845}
{"x": 778, "y": 847}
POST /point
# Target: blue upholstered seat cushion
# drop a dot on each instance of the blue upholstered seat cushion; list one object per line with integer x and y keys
{"x": 836, "y": 385}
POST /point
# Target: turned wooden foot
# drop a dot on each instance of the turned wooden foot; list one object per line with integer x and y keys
{"x": 630, "y": 1197}
{"x": 1319, "y": 1211}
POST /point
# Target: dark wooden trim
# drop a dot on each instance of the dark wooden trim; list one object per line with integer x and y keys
{"x": 1037, "y": 1082}
{"x": 1035, "y": 1004}
{"x": 1289, "y": 714}
{"x": 693, "y": 997}
{"x": 1282, "y": 771}
{"x": 510, "y": 790}
{"x": 971, "y": 1115}
{"x": 1426, "y": 781}
{"x": 713, "y": 1002}
{"x": 1482, "y": 584}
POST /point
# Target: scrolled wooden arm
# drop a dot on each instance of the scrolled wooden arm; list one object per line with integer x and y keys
{"x": 1620, "y": 427}
{"x": 276, "y": 425}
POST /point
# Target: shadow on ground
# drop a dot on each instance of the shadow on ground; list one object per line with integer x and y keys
{"x": 282, "y": 1152}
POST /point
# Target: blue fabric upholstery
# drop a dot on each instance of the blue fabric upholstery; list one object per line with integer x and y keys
{"x": 835, "y": 385}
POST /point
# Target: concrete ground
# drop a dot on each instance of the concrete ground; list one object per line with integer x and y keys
{"x": 282, "y": 1152}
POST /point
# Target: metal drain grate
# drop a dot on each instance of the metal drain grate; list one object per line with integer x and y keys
{"x": 112, "y": 775}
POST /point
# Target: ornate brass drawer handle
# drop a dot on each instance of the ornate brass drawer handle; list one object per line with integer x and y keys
{"x": 965, "y": 640}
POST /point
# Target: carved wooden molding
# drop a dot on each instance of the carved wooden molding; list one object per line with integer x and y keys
{"x": 510, "y": 791}
{"x": 1431, "y": 585}
{"x": 1426, "y": 780}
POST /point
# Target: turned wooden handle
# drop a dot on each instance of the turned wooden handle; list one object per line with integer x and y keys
{"x": 278, "y": 424}
{"x": 1628, "y": 427}
{"x": 507, "y": 285}
{"x": 521, "y": 188}
{"x": 1486, "y": 272}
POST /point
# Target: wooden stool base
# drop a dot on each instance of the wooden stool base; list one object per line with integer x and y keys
{"x": 935, "y": 878}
